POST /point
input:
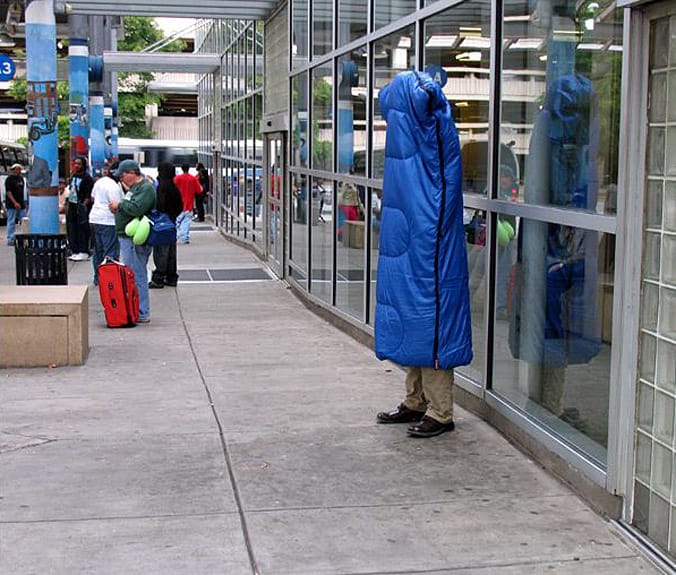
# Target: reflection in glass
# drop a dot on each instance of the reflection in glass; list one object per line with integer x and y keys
{"x": 352, "y": 113}
{"x": 376, "y": 209}
{"x": 322, "y": 27}
{"x": 553, "y": 341}
{"x": 387, "y": 11}
{"x": 299, "y": 125}
{"x": 322, "y": 124}
{"x": 320, "y": 233}
{"x": 457, "y": 46}
{"x": 351, "y": 21}
{"x": 391, "y": 55}
{"x": 299, "y": 33}
{"x": 350, "y": 249}
{"x": 298, "y": 232}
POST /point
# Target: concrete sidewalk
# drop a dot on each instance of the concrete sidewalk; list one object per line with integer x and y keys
{"x": 235, "y": 434}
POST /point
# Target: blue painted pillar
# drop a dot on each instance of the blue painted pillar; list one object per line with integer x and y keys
{"x": 97, "y": 133}
{"x": 41, "y": 105}
{"x": 78, "y": 78}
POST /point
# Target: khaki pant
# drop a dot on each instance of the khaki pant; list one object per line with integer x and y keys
{"x": 430, "y": 390}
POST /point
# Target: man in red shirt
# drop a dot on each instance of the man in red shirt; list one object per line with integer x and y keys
{"x": 189, "y": 186}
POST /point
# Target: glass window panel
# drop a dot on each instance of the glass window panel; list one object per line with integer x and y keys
{"x": 321, "y": 233}
{"x": 260, "y": 54}
{"x": 322, "y": 121}
{"x": 670, "y": 167}
{"x": 665, "y": 376}
{"x": 658, "y": 97}
{"x": 643, "y": 457}
{"x": 671, "y": 108}
{"x": 387, "y": 11}
{"x": 475, "y": 236}
{"x": 352, "y": 135}
{"x": 659, "y": 36}
{"x": 651, "y": 256}
{"x": 655, "y": 151}
{"x": 299, "y": 114}
{"x": 650, "y": 298}
{"x": 560, "y": 112}
{"x": 663, "y": 423}
{"x": 667, "y": 319}
{"x": 552, "y": 355}
{"x": 391, "y": 55}
{"x": 457, "y": 42}
{"x": 669, "y": 259}
{"x": 658, "y": 521}
{"x": 322, "y": 27}
{"x": 376, "y": 212}
{"x": 653, "y": 204}
{"x": 299, "y": 230}
{"x": 646, "y": 399}
{"x": 352, "y": 17}
{"x": 670, "y": 206}
{"x": 641, "y": 506}
{"x": 299, "y": 33}
{"x": 647, "y": 357}
{"x": 350, "y": 245}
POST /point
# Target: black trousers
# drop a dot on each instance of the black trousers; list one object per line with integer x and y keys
{"x": 77, "y": 228}
{"x": 164, "y": 258}
{"x": 199, "y": 205}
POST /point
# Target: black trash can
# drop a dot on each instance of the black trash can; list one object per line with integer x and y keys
{"x": 41, "y": 259}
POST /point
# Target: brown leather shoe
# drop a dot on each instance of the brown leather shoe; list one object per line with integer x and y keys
{"x": 429, "y": 427}
{"x": 400, "y": 414}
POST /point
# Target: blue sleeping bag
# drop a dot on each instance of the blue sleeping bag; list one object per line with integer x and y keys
{"x": 422, "y": 310}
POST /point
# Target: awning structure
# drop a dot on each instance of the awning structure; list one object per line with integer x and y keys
{"x": 160, "y": 62}
{"x": 234, "y": 9}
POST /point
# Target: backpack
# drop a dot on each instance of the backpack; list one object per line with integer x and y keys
{"x": 162, "y": 229}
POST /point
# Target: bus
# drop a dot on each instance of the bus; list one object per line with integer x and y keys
{"x": 150, "y": 153}
{"x": 10, "y": 153}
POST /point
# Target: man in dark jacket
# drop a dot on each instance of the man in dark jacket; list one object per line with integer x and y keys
{"x": 138, "y": 201}
{"x": 170, "y": 202}
{"x": 77, "y": 212}
{"x": 14, "y": 200}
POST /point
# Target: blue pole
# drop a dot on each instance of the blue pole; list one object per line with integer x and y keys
{"x": 97, "y": 132}
{"x": 41, "y": 105}
{"x": 108, "y": 137}
{"x": 78, "y": 78}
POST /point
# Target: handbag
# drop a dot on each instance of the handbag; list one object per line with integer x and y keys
{"x": 162, "y": 229}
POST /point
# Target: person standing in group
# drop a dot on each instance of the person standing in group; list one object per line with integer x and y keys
{"x": 15, "y": 201}
{"x": 106, "y": 244}
{"x": 422, "y": 318}
{"x": 201, "y": 198}
{"x": 139, "y": 199}
{"x": 189, "y": 186}
{"x": 170, "y": 202}
{"x": 77, "y": 211}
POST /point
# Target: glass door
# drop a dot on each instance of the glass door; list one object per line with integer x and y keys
{"x": 275, "y": 182}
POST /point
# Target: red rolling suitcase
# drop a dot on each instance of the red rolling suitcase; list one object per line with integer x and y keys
{"x": 118, "y": 293}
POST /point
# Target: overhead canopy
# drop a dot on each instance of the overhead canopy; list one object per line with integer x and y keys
{"x": 160, "y": 62}
{"x": 234, "y": 9}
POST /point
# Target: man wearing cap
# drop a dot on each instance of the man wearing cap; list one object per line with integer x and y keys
{"x": 14, "y": 200}
{"x": 139, "y": 199}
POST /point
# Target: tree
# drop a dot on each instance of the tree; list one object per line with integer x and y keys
{"x": 139, "y": 33}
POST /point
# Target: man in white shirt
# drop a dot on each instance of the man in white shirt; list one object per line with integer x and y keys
{"x": 102, "y": 220}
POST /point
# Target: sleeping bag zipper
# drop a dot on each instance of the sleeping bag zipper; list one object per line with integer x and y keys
{"x": 437, "y": 319}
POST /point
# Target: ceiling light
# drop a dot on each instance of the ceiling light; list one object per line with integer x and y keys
{"x": 590, "y": 46}
{"x": 475, "y": 42}
{"x": 469, "y": 57}
{"x": 441, "y": 41}
{"x": 404, "y": 42}
{"x": 526, "y": 44}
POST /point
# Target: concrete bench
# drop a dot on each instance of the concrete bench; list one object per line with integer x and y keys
{"x": 43, "y": 325}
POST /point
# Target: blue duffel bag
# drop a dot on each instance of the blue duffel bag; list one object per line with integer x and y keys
{"x": 162, "y": 229}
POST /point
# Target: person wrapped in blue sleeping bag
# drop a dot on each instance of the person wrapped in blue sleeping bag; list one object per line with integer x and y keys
{"x": 422, "y": 310}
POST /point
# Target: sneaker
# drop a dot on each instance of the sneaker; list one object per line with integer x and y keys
{"x": 400, "y": 414}
{"x": 155, "y": 285}
{"x": 84, "y": 256}
{"x": 74, "y": 257}
{"x": 143, "y": 320}
{"x": 429, "y": 427}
